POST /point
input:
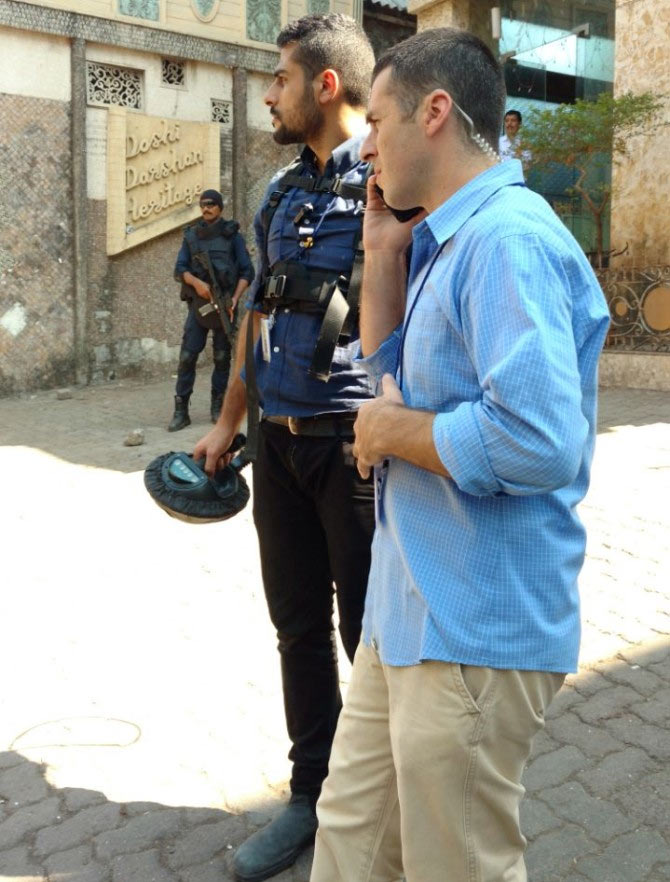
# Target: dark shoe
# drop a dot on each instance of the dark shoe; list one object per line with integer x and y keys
{"x": 217, "y": 401}
{"x": 180, "y": 418}
{"x": 277, "y": 846}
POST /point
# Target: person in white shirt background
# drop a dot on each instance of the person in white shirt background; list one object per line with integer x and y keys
{"x": 509, "y": 142}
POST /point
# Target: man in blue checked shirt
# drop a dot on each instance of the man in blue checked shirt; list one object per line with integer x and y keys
{"x": 313, "y": 512}
{"x": 481, "y": 441}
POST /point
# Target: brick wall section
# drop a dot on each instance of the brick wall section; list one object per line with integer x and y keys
{"x": 36, "y": 243}
{"x": 264, "y": 158}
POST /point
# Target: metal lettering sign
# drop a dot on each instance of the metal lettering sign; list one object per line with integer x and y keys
{"x": 156, "y": 169}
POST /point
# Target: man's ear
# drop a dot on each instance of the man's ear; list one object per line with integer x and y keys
{"x": 438, "y": 106}
{"x": 329, "y": 86}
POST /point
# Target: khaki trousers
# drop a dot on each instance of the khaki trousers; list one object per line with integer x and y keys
{"x": 425, "y": 773}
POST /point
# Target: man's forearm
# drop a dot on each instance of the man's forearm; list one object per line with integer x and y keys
{"x": 240, "y": 288}
{"x": 382, "y": 297}
{"x": 408, "y": 434}
{"x": 189, "y": 278}
{"x": 385, "y": 427}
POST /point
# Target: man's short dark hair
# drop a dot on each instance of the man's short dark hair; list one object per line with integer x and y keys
{"x": 453, "y": 60}
{"x": 333, "y": 41}
{"x": 516, "y": 113}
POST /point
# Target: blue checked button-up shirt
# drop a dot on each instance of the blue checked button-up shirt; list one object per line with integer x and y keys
{"x": 503, "y": 345}
{"x": 285, "y": 386}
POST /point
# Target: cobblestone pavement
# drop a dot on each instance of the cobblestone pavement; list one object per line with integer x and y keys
{"x": 141, "y": 733}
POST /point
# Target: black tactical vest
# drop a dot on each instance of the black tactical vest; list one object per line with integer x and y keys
{"x": 217, "y": 240}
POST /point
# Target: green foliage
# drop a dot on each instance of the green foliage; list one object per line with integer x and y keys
{"x": 588, "y": 136}
{"x": 579, "y": 133}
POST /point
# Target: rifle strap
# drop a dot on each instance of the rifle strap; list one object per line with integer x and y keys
{"x": 331, "y": 328}
{"x": 253, "y": 408}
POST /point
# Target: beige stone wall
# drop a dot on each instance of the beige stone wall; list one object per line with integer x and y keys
{"x": 469, "y": 15}
{"x": 641, "y": 184}
{"x": 444, "y": 13}
{"x": 633, "y": 370}
{"x": 228, "y": 23}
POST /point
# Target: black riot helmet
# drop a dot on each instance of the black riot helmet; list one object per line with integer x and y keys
{"x": 182, "y": 488}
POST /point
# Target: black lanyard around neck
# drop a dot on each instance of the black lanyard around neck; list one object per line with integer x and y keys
{"x": 401, "y": 352}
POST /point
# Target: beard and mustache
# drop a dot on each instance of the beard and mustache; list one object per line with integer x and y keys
{"x": 304, "y": 123}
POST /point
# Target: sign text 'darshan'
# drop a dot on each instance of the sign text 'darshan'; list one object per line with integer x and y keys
{"x": 157, "y": 161}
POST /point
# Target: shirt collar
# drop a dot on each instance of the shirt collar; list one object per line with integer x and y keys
{"x": 448, "y": 218}
{"x": 344, "y": 157}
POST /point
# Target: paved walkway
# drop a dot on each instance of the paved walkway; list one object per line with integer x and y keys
{"x": 141, "y": 734}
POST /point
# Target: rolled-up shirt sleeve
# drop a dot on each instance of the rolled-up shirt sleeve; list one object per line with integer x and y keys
{"x": 183, "y": 263}
{"x": 384, "y": 360}
{"x": 526, "y": 433}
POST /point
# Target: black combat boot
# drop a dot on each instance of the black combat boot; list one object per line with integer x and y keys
{"x": 217, "y": 401}
{"x": 277, "y": 846}
{"x": 180, "y": 418}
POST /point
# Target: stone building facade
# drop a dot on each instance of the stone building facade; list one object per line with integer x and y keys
{"x": 641, "y": 185}
{"x": 72, "y": 309}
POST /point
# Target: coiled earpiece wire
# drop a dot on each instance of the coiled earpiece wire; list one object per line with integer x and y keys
{"x": 474, "y": 135}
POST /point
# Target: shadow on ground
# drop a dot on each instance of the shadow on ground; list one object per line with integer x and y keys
{"x": 597, "y": 805}
{"x": 80, "y": 836}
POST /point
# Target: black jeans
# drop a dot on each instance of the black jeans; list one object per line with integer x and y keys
{"x": 315, "y": 517}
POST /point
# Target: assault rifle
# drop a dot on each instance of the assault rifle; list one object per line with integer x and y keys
{"x": 221, "y": 302}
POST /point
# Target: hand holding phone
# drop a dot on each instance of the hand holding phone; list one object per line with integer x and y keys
{"x": 400, "y": 214}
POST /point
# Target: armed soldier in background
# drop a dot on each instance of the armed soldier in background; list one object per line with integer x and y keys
{"x": 211, "y": 243}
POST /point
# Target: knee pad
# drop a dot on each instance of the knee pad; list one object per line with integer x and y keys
{"x": 221, "y": 359}
{"x": 187, "y": 361}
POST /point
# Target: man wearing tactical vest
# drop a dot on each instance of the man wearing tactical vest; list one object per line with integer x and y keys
{"x": 210, "y": 243}
{"x": 314, "y": 514}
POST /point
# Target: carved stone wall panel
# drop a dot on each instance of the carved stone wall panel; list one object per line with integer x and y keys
{"x": 108, "y": 84}
{"x": 146, "y": 9}
{"x": 263, "y": 20}
{"x": 222, "y": 111}
{"x": 205, "y": 10}
{"x": 36, "y": 255}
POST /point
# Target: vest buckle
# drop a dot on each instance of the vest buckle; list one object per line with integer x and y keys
{"x": 274, "y": 286}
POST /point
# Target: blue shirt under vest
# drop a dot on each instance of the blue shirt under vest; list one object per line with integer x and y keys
{"x": 502, "y": 344}
{"x": 285, "y": 385}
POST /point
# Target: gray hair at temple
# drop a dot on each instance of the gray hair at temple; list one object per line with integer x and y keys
{"x": 333, "y": 41}
{"x": 456, "y": 61}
